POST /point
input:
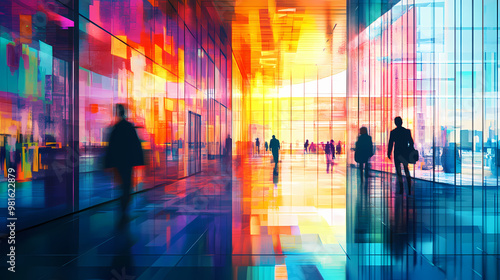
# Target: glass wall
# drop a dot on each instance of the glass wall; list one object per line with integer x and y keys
{"x": 310, "y": 105}
{"x": 435, "y": 64}
{"x": 63, "y": 69}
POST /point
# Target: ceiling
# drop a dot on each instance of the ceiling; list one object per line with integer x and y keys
{"x": 274, "y": 40}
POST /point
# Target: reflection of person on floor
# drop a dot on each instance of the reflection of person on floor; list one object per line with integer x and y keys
{"x": 402, "y": 141}
{"x": 362, "y": 210}
{"x": 122, "y": 264}
{"x": 274, "y": 145}
{"x": 123, "y": 153}
{"x": 257, "y": 144}
{"x": 275, "y": 181}
{"x": 328, "y": 156}
{"x": 363, "y": 152}
{"x": 400, "y": 232}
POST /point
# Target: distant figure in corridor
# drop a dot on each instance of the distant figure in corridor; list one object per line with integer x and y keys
{"x": 402, "y": 141}
{"x": 339, "y": 147}
{"x": 229, "y": 146}
{"x": 229, "y": 153}
{"x": 274, "y": 145}
{"x": 267, "y": 146}
{"x": 257, "y": 144}
{"x": 306, "y": 144}
{"x": 363, "y": 152}
{"x": 333, "y": 149}
{"x": 328, "y": 155}
{"x": 123, "y": 153}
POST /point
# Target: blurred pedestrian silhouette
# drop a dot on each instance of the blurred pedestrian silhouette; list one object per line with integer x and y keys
{"x": 328, "y": 156}
{"x": 332, "y": 143}
{"x": 306, "y": 144}
{"x": 339, "y": 147}
{"x": 400, "y": 138}
{"x": 274, "y": 145}
{"x": 229, "y": 153}
{"x": 363, "y": 152}
{"x": 123, "y": 153}
{"x": 257, "y": 144}
{"x": 229, "y": 146}
{"x": 267, "y": 146}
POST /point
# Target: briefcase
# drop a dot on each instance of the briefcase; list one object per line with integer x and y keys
{"x": 413, "y": 156}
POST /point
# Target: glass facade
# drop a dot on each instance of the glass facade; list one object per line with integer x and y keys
{"x": 64, "y": 67}
{"x": 435, "y": 64}
{"x": 308, "y": 105}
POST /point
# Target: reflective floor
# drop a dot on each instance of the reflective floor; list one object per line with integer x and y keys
{"x": 290, "y": 226}
{"x": 249, "y": 224}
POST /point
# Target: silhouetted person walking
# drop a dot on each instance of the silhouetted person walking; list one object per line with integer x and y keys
{"x": 402, "y": 141}
{"x": 339, "y": 147}
{"x": 229, "y": 153}
{"x": 363, "y": 152}
{"x": 274, "y": 145}
{"x": 333, "y": 149}
{"x": 123, "y": 153}
{"x": 229, "y": 146}
{"x": 257, "y": 144}
{"x": 267, "y": 146}
{"x": 328, "y": 156}
{"x": 306, "y": 144}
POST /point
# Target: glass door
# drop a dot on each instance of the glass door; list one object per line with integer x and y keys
{"x": 194, "y": 165}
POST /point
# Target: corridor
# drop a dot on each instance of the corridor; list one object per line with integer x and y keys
{"x": 222, "y": 139}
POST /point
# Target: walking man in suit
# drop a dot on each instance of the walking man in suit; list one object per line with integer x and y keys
{"x": 274, "y": 145}
{"x": 123, "y": 153}
{"x": 400, "y": 138}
